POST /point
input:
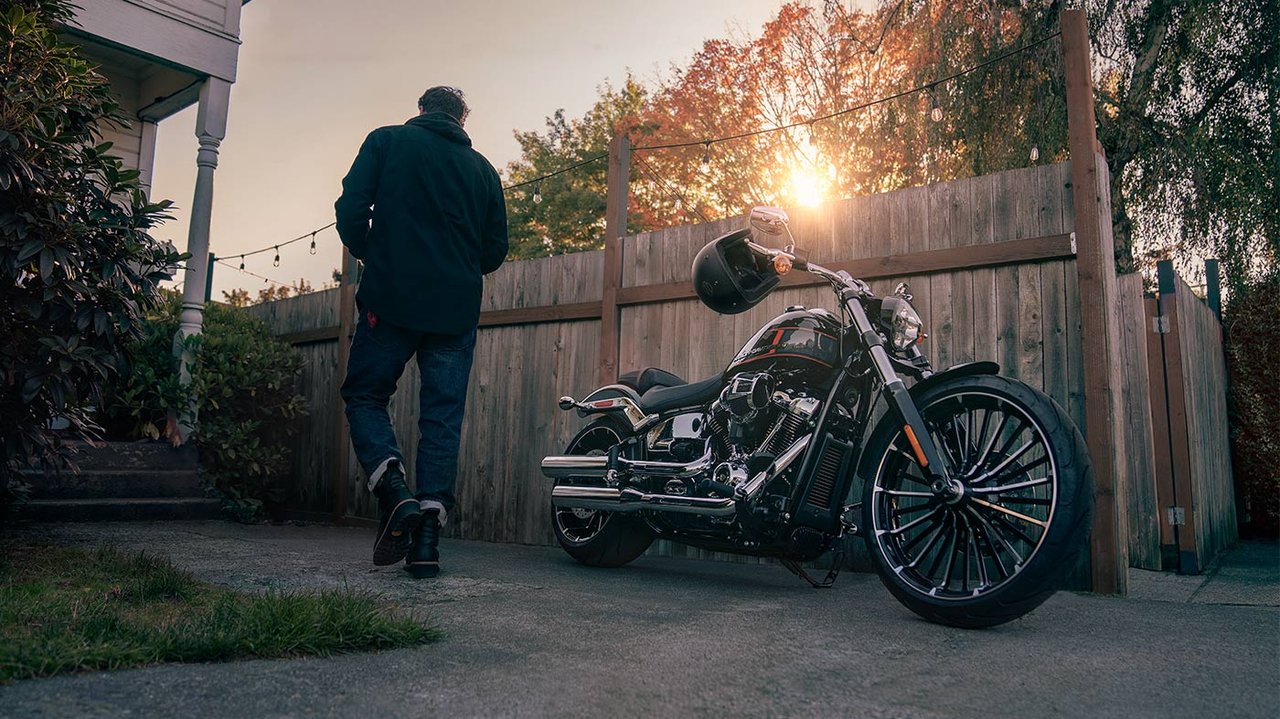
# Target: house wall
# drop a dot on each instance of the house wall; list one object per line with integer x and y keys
{"x": 200, "y": 36}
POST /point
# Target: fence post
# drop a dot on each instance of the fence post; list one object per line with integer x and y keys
{"x": 615, "y": 229}
{"x": 346, "y": 327}
{"x": 1212, "y": 287}
{"x": 209, "y": 278}
{"x": 1095, "y": 265}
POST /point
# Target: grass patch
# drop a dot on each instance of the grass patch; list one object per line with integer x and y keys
{"x": 68, "y": 610}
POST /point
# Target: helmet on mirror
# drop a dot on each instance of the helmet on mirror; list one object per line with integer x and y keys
{"x": 729, "y": 278}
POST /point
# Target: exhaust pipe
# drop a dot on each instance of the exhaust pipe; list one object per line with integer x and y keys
{"x": 627, "y": 501}
{"x": 564, "y": 466}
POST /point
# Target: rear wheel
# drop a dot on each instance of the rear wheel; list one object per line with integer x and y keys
{"x": 593, "y": 537}
{"x": 994, "y": 550}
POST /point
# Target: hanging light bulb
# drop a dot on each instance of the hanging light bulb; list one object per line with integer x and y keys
{"x": 935, "y": 111}
{"x": 813, "y": 139}
{"x": 242, "y": 262}
{"x": 537, "y": 194}
{"x": 1035, "y": 153}
{"x": 679, "y": 202}
{"x": 313, "y": 243}
{"x": 705, "y": 165}
{"x": 276, "y": 261}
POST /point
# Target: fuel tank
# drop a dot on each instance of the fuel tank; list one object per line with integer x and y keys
{"x": 798, "y": 341}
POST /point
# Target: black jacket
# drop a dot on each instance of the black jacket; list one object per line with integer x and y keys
{"x": 439, "y": 222}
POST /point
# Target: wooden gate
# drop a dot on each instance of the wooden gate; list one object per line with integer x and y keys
{"x": 1188, "y": 380}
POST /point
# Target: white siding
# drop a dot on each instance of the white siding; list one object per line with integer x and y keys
{"x": 127, "y": 140}
{"x": 184, "y": 33}
{"x": 208, "y": 14}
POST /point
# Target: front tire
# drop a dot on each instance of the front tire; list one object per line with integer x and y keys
{"x": 593, "y": 537}
{"x": 995, "y": 552}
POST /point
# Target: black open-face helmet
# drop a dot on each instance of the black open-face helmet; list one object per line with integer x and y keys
{"x": 730, "y": 278}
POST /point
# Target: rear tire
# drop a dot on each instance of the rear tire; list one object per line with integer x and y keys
{"x": 997, "y": 551}
{"x": 595, "y": 538}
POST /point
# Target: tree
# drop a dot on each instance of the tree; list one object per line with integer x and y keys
{"x": 1187, "y": 108}
{"x": 80, "y": 266}
{"x": 1187, "y": 99}
{"x": 574, "y": 218}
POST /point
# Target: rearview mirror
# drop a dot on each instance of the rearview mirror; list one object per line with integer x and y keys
{"x": 769, "y": 220}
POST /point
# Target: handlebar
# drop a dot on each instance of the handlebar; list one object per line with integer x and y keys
{"x": 838, "y": 278}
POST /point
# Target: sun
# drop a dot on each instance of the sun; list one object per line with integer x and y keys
{"x": 807, "y": 187}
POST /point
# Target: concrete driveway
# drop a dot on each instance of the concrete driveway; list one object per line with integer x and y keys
{"x": 531, "y": 633}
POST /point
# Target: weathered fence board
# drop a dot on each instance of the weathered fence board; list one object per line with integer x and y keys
{"x": 1142, "y": 505}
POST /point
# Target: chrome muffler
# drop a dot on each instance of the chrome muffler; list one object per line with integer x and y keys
{"x": 564, "y": 466}
{"x": 626, "y": 501}
{"x": 629, "y": 500}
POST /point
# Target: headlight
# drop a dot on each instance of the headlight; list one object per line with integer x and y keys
{"x": 901, "y": 322}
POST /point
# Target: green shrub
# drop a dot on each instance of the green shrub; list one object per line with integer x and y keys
{"x": 77, "y": 263}
{"x": 246, "y": 401}
{"x": 1252, "y": 323}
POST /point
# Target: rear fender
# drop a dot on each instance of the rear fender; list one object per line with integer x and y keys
{"x": 616, "y": 399}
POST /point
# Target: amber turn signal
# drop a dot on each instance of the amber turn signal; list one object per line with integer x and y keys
{"x": 915, "y": 445}
{"x": 781, "y": 264}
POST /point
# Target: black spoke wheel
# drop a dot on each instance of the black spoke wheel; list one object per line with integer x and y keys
{"x": 990, "y": 547}
{"x": 593, "y": 537}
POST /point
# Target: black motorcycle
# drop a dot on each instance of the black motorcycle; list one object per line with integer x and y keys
{"x": 976, "y": 489}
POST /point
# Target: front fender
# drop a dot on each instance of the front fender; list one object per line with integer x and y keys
{"x": 959, "y": 370}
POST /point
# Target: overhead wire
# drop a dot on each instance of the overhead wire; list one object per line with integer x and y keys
{"x": 927, "y": 87}
{"x": 278, "y": 283}
{"x": 671, "y": 189}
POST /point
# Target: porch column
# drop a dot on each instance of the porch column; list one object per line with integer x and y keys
{"x": 211, "y": 128}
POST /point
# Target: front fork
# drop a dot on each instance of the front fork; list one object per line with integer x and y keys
{"x": 901, "y": 404}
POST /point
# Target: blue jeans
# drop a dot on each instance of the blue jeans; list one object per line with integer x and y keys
{"x": 379, "y": 353}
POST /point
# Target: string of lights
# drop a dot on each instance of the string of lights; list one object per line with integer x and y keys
{"x": 670, "y": 188}
{"x": 928, "y": 88}
{"x": 264, "y": 278}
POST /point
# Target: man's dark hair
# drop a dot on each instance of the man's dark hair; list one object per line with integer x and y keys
{"x": 448, "y": 100}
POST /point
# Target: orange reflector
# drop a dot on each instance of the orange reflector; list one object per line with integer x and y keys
{"x": 781, "y": 264}
{"x": 915, "y": 445}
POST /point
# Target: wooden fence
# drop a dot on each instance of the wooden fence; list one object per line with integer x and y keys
{"x": 991, "y": 262}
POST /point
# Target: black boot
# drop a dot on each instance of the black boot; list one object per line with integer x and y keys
{"x": 400, "y": 514}
{"x": 424, "y": 553}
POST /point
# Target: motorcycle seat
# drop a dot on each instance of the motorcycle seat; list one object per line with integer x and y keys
{"x": 643, "y": 380}
{"x": 663, "y": 399}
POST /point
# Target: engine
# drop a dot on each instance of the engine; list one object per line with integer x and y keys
{"x": 751, "y": 423}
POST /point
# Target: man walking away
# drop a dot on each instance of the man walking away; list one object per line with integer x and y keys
{"x": 425, "y": 213}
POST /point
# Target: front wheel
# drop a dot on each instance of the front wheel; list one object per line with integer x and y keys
{"x": 593, "y": 537}
{"x": 995, "y": 550}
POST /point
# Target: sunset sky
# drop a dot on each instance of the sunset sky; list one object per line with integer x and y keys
{"x": 316, "y": 76}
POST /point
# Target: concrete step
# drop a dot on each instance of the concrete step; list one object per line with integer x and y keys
{"x": 119, "y": 456}
{"x": 96, "y": 484}
{"x": 120, "y": 509}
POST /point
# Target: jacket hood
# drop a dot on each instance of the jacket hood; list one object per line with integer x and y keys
{"x": 443, "y": 125}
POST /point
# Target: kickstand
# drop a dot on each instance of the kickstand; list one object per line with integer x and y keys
{"x": 827, "y": 582}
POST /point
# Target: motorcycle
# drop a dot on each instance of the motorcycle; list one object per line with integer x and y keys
{"x": 976, "y": 489}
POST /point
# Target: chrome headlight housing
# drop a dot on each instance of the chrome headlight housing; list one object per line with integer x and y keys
{"x": 901, "y": 323}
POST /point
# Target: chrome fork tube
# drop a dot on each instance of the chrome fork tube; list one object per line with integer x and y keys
{"x": 896, "y": 394}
